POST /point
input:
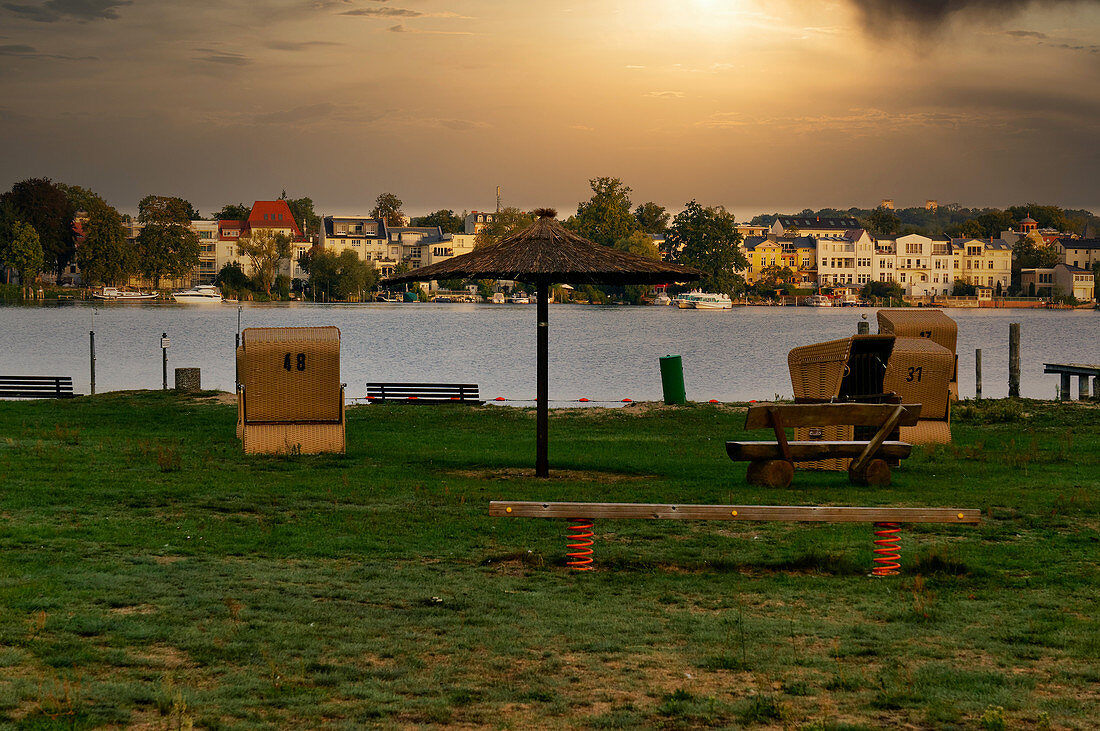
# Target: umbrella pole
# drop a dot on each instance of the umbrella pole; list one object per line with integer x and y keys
{"x": 542, "y": 464}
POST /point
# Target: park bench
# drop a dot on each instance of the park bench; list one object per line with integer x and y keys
{"x": 771, "y": 464}
{"x": 36, "y": 387}
{"x": 423, "y": 393}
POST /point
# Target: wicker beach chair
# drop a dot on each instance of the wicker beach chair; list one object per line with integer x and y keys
{"x": 290, "y": 398}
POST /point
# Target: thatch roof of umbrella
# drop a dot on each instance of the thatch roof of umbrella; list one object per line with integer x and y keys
{"x": 548, "y": 251}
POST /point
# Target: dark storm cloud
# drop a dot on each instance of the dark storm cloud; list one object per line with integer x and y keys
{"x": 52, "y": 11}
{"x": 298, "y": 45}
{"x": 930, "y": 14}
{"x": 22, "y": 51}
{"x": 223, "y": 57}
{"x": 384, "y": 13}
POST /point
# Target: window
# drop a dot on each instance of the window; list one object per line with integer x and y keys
{"x": 913, "y": 248}
{"x": 991, "y": 264}
{"x": 903, "y": 276}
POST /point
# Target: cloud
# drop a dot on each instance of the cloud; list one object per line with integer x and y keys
{"x": 223, "y": 57}
{"x": 1026, "y": 34}
{"x": 22, "y": 51}
{"x": 298, "y": 45}
{"x": 81, "y": 10}
{"x": 665, "y": 94}
{"x": 928, "y": 15}
{"x": 415, "y": 31}
{"x": 384, "y": 13}
{"x": 307, "y": 113}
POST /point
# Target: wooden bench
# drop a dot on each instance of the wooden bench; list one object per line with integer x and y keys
{"x": 771, "y": 464}
{"x": 423, "y": 393}
{"x": 36, "y": 387}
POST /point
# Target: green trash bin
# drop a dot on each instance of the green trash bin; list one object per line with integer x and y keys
{"x": 672, "y": 379}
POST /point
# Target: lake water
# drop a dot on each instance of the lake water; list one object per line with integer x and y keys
{"x": 599, "y": 353}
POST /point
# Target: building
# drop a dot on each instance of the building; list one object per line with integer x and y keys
{"x": 364, "y": 235}
{"x": 477, "y": 220}
{"x": 1084, "y": 253}
{"x": 1061, "y": 279}
{"x": 207, "y": 268}
{"x": 923, "y": 266}
{"x": 798, "y": 253}
{"x": 845, "y": 258}
{"x": 814, "y": 226}
{"x": 983, "y": 263}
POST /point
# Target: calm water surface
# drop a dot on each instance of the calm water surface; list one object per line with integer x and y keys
{"x": 599, "y": 353}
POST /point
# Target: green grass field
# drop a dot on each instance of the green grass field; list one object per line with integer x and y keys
{"x": 153, "y": 576}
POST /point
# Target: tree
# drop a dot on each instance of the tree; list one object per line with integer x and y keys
{"x": 882, "y": 221}
{"x": 506, "y": 222}
{"x": 233, "y": 212}
{"x": 606, "y": 216}
{"x": 340, "y": 276}
{"x": 302, "y": 210}
{"x": 652, "y": 218}
{"x": 46, "y": 207}
{"x": 167, "y": 249}
{"x": 963, "y": 289}
{"x": 447, "y": 220}
{"x": 166, "y": 209}
{"x": 105, "y": 256}
{"x": 640, "y": 244}
{"x": 232, "y": 280}
{"x": 387, "y": 207}
{"x": 882, "y": 290}
{"x": 707, "y": 238}
{"x": 266, "y": 250}
{"x": 772, "y": 278}
{"x": 1029, "y": 253}
{"x": 24, "y": 253}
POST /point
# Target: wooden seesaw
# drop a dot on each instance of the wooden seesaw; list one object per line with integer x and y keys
{"x": 887, "y": 521}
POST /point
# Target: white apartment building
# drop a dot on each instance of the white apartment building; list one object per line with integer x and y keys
{"x": 982, "y": 262}
{"x": 921, "y": 265}
{"x": 845, "y": 258}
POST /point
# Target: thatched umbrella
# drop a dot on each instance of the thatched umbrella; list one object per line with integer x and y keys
{"x": 546, "y": 253}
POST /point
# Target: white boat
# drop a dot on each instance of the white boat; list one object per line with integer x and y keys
{"x": 704, "y": 301}
{"x": 520, "y": 299}
{"x": 712, "y": 301}
{"x": 204, "y": 293}
{"x": 121, "y": 295}
{"x": 819, "y": 300}
{"x": 662, "y": 299}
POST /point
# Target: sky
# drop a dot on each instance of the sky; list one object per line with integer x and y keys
{"x": 757, "y": 106}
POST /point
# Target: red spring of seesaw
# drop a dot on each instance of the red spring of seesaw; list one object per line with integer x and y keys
{"x": 886, "y": 549}
{"x": 580, "y": 545}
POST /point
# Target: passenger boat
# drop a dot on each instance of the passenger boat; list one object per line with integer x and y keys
{"x": 819, "y": 300}
{"x": 121, "y": 295}
{"x": 711, "y": 301}
{"x": 662, "y": 299}
{"x": 520, "y": 299}
{"x": 202, "y": 294}
{"x": 704, "y": 301}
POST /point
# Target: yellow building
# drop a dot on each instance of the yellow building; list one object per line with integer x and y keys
{"x": 982, "y": 262}
{"x": 796, "y": 253}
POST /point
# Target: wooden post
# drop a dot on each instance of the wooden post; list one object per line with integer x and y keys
{"x": 863, "y": 327}
{"x": 164, "y": 360}
{"x": 978, "y": 374}
{"x": 542, "y": 390}
{"x": 91, "y": 362}
{"x": 1014, "y": 360}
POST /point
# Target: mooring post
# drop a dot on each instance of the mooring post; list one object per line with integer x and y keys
{"x": 164, "y": 358}
{"x": 1014, "y": 360}
{"x": 863, "y": 327}
{"x": 91, "y": 362}
{"x": 978, "y": 374}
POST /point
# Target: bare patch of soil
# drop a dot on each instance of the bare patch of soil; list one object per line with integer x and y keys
{"x": 513, "y": 473}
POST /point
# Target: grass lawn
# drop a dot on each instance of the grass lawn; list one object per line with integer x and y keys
{"x": 153, "y": 576}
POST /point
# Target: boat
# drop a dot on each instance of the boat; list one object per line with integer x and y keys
{"x": 712, "y": 301}
{"x": 115, "y": 294}
{"x": 697, "y": 300}
{"x": 662, "y": 299}
{"x": 819, "y": 300}
{"x": 520, "y": 299}
{"x": 204, "y": 293}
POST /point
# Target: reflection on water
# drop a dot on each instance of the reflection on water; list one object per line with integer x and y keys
{"x": 601, "y": 353}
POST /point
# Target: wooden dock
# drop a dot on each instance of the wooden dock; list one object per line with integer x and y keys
{"x": 1083, "y": 371}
